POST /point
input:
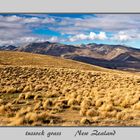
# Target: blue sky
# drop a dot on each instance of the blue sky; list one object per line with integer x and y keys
{"x": 18, "y": 29}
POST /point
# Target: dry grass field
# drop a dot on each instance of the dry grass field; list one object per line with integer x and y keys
{"x": 39, "y": 90}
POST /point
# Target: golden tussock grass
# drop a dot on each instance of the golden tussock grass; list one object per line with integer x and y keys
{"x": 29, "y": 95}
{"x": 92, "y": 112}
{"x": 85, "y": 121}
{"x": 36, "y": 97}
{"x": 47, "y": 104}
{"x": 83, "y": 112}
{"x": 37, "y": 106}
{"x": 31, "y": 117}
{"x": 1, "y": 101}
{"x": 2, "y": 109}
{"x": 9, "y": 89}
{"x": 47, "y": 91}
{"x": 72, "y": 102}
{"x": 17, "y": 122}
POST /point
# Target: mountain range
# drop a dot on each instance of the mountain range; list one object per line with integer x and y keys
{"x": 109, "y": 56}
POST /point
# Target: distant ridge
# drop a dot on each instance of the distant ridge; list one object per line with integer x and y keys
{"x": 108, "y": 56}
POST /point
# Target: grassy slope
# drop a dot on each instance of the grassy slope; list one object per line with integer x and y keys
{"x": 28, "y": 59}
{"x": 104, "y": 97}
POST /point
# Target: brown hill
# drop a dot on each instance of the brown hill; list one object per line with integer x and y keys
{"x": 29, "y": 59}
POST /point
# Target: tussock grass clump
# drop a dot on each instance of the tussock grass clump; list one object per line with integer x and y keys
{"x": 128, "y": 117}
{"x": 31, "y": 117}
{"x": 96, "y": 119}
{"x": 134, "y": 100}
{"x": 8, "y": 105}
{"x": 92, "y": 112}
{"x": 83, "y": 112}
{"x": 117, "y": 102}
{"x": 47, "y": 103}
{"x": 72, "y": 102}
{"x": 73, "y": 95}
{"x": 43, "y": 115}
{"x": 2, "y": 109}
{"x": 38, "y": 87}
{"x": 20, "y": 89}
{"x": 37, "y": 106}
{"x": 125, "y": 103}
{"x": 53, "y": 94}
{"x": 58, "y": 104}
{"x": 79, "y": 99}
{"x": 17, "y": 122}
{"x": 62, "y": 104}
{"x": 120, "y": 115}
{"x": 23, "y": 111}
{"x": 86, "y": 103}
{"x": 73, "y": 107}
{"x": 85, "y": 121}
{"x": 106, "y": 107}
{"x": 28, "y": 103}
{"x": 21, "y": 96}
{"x": 56, "y": 110}
{"x": 10, "y": 89}
{"x": 29, "y": 95}
{"x": 47, "y": 118}
{"x": 137, "y": 106}
{"x": 113, "y": 113}
{"x": 1, "y": 101}
{"x": 104, "y": 114}
{"x": 28, "y": 88}
{"x": 36, "y": 97}
{"x": 99, "y": 102}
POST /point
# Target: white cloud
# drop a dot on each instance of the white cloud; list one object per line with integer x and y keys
{"x": 79, "y": 37}
{"x": 124, "y": 36}
{"x": 27, "y": 39}
{"x": 23, "y": 19}
{"x": 31, "y": 20}
{"x": 6, "y": 42}
{"x": 19, "y": 28}
{"x": 90, "y": 36}
{"x": 48, "y": 20}
{"x": 100, "y": 22}
{"x": 13, "y": 18}
{"x": 102, "y": 36}
{"x": 53, "y": 39}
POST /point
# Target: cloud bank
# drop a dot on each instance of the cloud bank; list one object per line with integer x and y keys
{"x": 20, "y": 28}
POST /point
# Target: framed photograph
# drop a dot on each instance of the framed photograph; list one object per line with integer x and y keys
{"x": 69, "y": 74}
